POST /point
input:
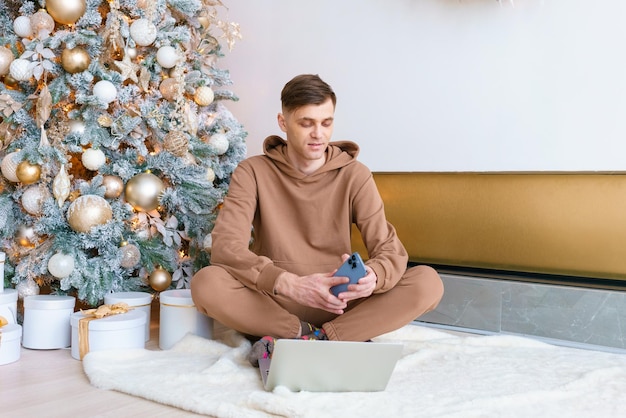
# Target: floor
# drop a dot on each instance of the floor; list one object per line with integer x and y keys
{"x": 51, "y": 384}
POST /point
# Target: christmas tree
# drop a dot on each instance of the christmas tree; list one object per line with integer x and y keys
{"x": 116, "y": 145}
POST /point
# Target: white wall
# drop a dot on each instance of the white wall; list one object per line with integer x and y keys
{"x": 445, "y": 85}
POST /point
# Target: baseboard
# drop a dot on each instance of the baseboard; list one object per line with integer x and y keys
{"x": 563, "y": 315}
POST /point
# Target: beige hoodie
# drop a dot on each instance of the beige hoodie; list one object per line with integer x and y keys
{"x": 302, "y": 223}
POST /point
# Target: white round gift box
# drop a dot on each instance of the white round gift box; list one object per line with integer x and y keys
{"x": 178, "y": 317}
{"x": 137, "y": 300}
{"x": 109, "y": 333}
{"x": 10, "y": 336}
{"x": 47, "y": 321}
{"x": 8, "y": 305}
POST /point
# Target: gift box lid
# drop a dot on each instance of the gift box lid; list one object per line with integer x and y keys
{"x": 130, "y": 319}
{"x": 8, "y": 296}
{"x": 11, "y": 332}
{"x": 49, "y": 302}
{"x": 131, "y": 298}
{"x": 178, "y": 297}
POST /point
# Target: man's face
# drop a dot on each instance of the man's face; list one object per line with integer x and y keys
{"x": 308, "y": 129}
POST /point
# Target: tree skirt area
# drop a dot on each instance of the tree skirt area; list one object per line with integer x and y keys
{"x": 439, "y": 375}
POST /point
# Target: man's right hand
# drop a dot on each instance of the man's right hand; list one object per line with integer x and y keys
{"x": 312, "y": 290}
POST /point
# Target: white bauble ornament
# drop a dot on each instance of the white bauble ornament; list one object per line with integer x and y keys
{"x": 219, "y": 142}
{"x": 210, "y": 174}
{"x": 27, "y": 288}
{"x": 203, "y": 96}
{"x": 61, "y": 265}
{"x": 6, "y": 58}
{"x": 143, "y": 32}
{"x": 22, "y": 27}
{"x": 143, "y": 191}
{"x": 9, "y": 167}
{"x": 167, "y": 56}
{"x": 93, "y": 159}
{"x": 105, "y": 91}
{"x": 207, "y": 243}
{"x": 88, "y": 211}
{"x": 20, "y": 69}
{"x": 32, "y": 199}
{"x": 77, "y": 126}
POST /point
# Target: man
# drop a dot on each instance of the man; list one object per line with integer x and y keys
{"x": 301, "y": 198}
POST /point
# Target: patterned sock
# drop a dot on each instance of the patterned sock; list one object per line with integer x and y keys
{"x": 311, "y": 332}
{"x": 261, "y": 349}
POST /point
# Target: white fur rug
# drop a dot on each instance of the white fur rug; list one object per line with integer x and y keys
{"x": 439, "y": 375}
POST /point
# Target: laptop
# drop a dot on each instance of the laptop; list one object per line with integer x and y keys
{"x": 330, "y": 366}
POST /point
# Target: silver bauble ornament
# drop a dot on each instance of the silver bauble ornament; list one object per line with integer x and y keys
{"x": 88, "y": 211}
{"x": 9, "y": 167}
{"x": 114, "y": 186}
{"x": 143, "y": 191}
{"x": 130, "y": 255}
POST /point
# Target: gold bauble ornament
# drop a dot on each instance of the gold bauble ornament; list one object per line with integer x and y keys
{"x": 10, "y": 82}
{"x": 66, "y": 12}
{"x": 75, "y": 60}
{"x": 143, "y": 191}
{"x": 114, "y": 186}
{"x": 28, "y": 173}
{"x": 41, "y": 22}
{"x": 176, "y": 142}
{"x": 88, "y": 211}
{"x": 6, "y": 58}
{"x": 160, "y": 279}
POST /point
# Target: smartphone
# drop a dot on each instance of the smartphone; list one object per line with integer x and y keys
{"x": 353, "y": 268}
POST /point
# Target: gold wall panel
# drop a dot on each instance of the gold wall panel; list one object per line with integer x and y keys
{"x": 556, "y": 223}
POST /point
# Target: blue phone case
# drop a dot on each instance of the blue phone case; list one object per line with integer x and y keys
{"x": 354, "y": 268}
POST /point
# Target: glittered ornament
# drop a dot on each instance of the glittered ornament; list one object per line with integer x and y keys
{"x": 160, "y": 279}
{"x": 105, "y": 91}
{"x": 143, "y": 191}
{"x": 27, "y": 288}
{"x": 169, "y": 89}
{"x": 9, "y": 167}
{"x": 41, "y": 23}
{"x": 176, "y": 142}
{"x": 22, "y": 27}
{"x": 61, "y": 186}
{"x": 203, "y": 96}
{"x": 6, "y": 58}
{"x": 33, "y": 198}
{"x": 88, "y": 211}
{"x": 28, "y": 173}
{"x": 20, "y": 69}
{"x": 143, "y": 32}
{"x": 130, "y": 255}
{"x": 114, "y": 186}
{"x": 219, "y": 142}
{"x": 66, "y": 12}
{"x": 167, "y": 56}
{"x": 93, "y": 159}
{"x": 75, "y": 60}
{"x": 61, "y": 265}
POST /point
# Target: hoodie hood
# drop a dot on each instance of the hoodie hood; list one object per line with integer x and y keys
{"x": 338, "y": 155}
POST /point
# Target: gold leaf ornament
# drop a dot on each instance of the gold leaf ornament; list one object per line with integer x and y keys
{"x": 44, "y": 106}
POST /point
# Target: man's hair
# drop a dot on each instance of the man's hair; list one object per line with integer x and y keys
{"x": 306, "y": 89}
